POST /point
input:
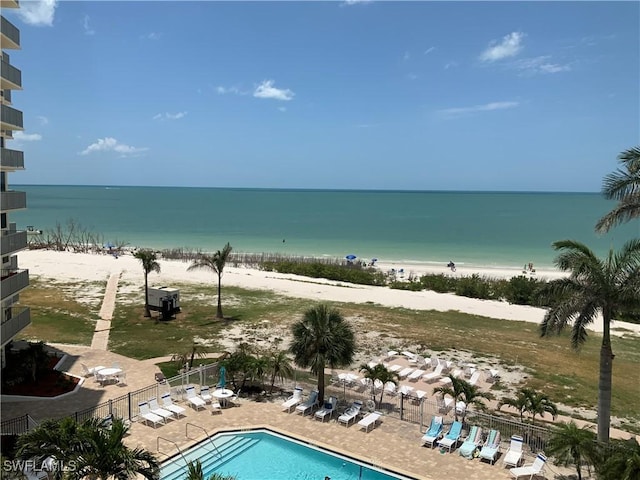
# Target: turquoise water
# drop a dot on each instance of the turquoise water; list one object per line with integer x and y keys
{"x": 474, "y": 228}
{"x": 261, "y": 455}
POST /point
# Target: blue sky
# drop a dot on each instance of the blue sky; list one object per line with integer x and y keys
{"x": 535, "y": 96}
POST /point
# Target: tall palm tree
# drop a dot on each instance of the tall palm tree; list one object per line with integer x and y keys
{"x": 520, "y": 402}
{"x": 622, "y": 185}
{"x": 571, "y": 445}
{"x": 216, "y": 264}
{"x": 322, "y": 338}
{"x": 463, "y": 391}
{"x": 539, "y": 404}
{"x": 150, "y": 264}
{"x": 595, "y": 286}
{"x": 381, "y": 373}
{"x": 279, "y": 366}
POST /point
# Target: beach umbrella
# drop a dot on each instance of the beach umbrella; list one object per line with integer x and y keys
{"x": 109, "y": 245}
{"x": 374, "y": 259}
{"x": 223, "y": 380}
{"x": 351, "y": 256}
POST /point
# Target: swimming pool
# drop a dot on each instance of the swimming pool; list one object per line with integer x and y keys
{"x": 264, "y": 455}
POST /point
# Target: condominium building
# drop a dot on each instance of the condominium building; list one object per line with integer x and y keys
{"x": 14, "y": 317}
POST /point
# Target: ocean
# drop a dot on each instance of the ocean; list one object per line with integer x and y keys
{"x": 493, "y": 229}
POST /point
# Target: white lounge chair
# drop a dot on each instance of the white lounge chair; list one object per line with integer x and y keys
{"x": 405, "y": 372}
{"x": 195, "y": 401}
{"x": 158, "y": 410}
{"x": 395, "y": 368}
{"x": 445, "y": 403}
{"x": 450, "y": 440}
{"x": 327, "y": 410}
{"x": 350, "y": 413}
{"x": 433, "y": 433}
{"x": 513, "y": 457}
{"x": 205, "y": 394}
{"x": 370, "y": 421}
{"x": 309, "y": 404}
{"x": 169, "y": 405}
{"x": 475, "y": 377}
{"x": 491, "y": 447}
{"x": 530, "y": 469}
{"x": 147, "y": 416}
{"x": 435, "y": 375}
{"x": 492, "y": 375}
{"x": 291, "y": 402}
{"x": 216, "y": 407}
{"x": 90, "y": 372}
{"x": 390, "y": 388}
{"x": 415, "y": 375}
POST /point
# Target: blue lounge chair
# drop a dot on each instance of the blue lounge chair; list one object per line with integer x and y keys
{"x": 471, "y": 443}
{"x": 491, "y": 447}
{"x": 433, "y": 433}
{"x": 451, "y": 438}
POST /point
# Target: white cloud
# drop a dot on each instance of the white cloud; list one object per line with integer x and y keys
{"x": 449, "y": 65}
{"x": 429, "y": 50}
{"x": 510, "y": 45}
{"x": 355, "y": 2}
{"x": 153, "y": 36}
{"x": 87, "y": 29}
{"x": 169, "y": 116}
{"x": 38, "y": 12}
{"x": 267, "y": 90}
{"x": 282, "y": 109}
{"x": 541, "y": 64}
{"x": 42, "y": 119}
{"x": 20, "y": 136}
{"x": 109, "y": 144}
{"x": 225, "y": 90}
{"x": 487, "y": 107}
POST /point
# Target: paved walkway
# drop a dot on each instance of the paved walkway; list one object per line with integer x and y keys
{"x": 100, "y": 339}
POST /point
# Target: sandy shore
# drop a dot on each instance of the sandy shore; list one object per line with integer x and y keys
{"x": 78, "y": 266}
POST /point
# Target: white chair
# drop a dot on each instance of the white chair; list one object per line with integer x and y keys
{"x": 390, "y": 388}
{"x": 475, "y": 377}
{"x": 121, "y": 378}
{"x": 147, "y": 416}
{"x": 309, "y": 404}
{"x": 415, "y": 375}
{"x": 350, "y": 413}
{"x": 435, "y": 375}
{"x": 158, "y": 410}
{"x": 292, "y": 402}
{"x": 444, "y": 403}
{"x": 195, "y": 401}
{"x": 405, "y": 372}
{"x": 90, "y": 372}
{"x": 327, "y": 410}
{"x": 493, "y": 375}
{"x": 433, "y": 433}
{"x": 205, "y": 394}
{"x": 169, "y": 405}
{"x": 513, "y": 457}
{"x": 370, "y": 421}
{"x": 530, "y": 469}
{"x": 216, "y": 407}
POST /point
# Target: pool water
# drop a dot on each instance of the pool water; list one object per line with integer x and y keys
{"x": 262, "y": 455}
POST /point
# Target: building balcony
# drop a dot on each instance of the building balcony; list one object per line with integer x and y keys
{"x": 13, "y": 282}
{"x": 10, "y": 76}
{"x": 8, "y": 134}
{"x": 20, "y": 319}
{"x": 9, "y": 35}
{"x": 11, "y": 159}
{"x": 12, "y": 200}
{"x": 12, "y": 242}
{"x": 11, "y": 118}
{"x": 6, "y": 97}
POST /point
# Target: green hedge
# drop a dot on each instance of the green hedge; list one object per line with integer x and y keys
{"x": 341, "y": 273}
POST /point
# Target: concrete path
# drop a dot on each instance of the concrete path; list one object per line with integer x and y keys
{"x": 100, "y": 339}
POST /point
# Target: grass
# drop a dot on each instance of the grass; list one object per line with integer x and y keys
{"x": 566, "y": 376}
{"x": 171, "y": 369}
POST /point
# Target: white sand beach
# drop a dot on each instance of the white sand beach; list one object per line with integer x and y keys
{"x": 91, "y": 267}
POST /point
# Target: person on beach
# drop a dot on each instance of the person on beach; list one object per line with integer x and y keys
{"x": 452, "y": 266}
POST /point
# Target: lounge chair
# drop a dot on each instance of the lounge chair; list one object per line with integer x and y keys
{"x": 513, "y": 457}
{"x": 405, "y": 372}
{"x": 390, "y": 388}
{"x": 195, "y": 401}
{"x": 90, "y": 372}
{"x": 491, "y": 447}
{"x": 444, "y": 403}
{"x": 471, "y": 443}
{"x": 475, "y": 377}
{"x": 205, "y": 394}
{"x": 327, "y": 410}
{"x": 370, "y": 421}
{"x": 158, "y": 410}
{"x": 291, "y": 402}
{"x": 531, "y": 469}
{"x": 169, "y": 405}
{"x": 350, "y": 413}
{"x": 450, "y": 440}
{"x": 433, "y": 433}
{"x": 216, "y": 407}
{"x": 493, "y": 375}
{"x": 415, "y": 375}
{"x": 147, "y": 416}
{"x": 395, "y": 368}
{"x": 435, "y": 375}
{"x": 309, "y": 404}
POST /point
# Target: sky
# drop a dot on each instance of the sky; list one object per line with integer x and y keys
{"x": 504, "y": 96}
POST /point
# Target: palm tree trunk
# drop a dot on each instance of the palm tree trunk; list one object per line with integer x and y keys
{"x": 219, "y": 310}
{"x": 321, "y": 386}
{"x": 577, "y": 461}
{"x": 604, "y": 384}
{"x": 147, "y": 312}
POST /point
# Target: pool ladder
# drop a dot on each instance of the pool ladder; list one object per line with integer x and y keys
{"x": 174, "y": 444}
{"x": 186, "y": 434}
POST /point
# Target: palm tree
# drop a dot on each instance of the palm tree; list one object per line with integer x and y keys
{"x": 195, "y": 473}
{"x": 609, "y": 287}
{"x": 279, "y": 366}
{"x": 520, "y": 402}
{"x": 539, "y": 404}
{"x": 571, "y": 445}
{"x": 622, "y": 185}
{"x": 381, "y": 373}
{"x": 463, "y": 391}
{"x": 150, "y": 263}
{"x": 321, "y": 338}
{"x": 216, "y": 264}
{"x": 619, "y": 460}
